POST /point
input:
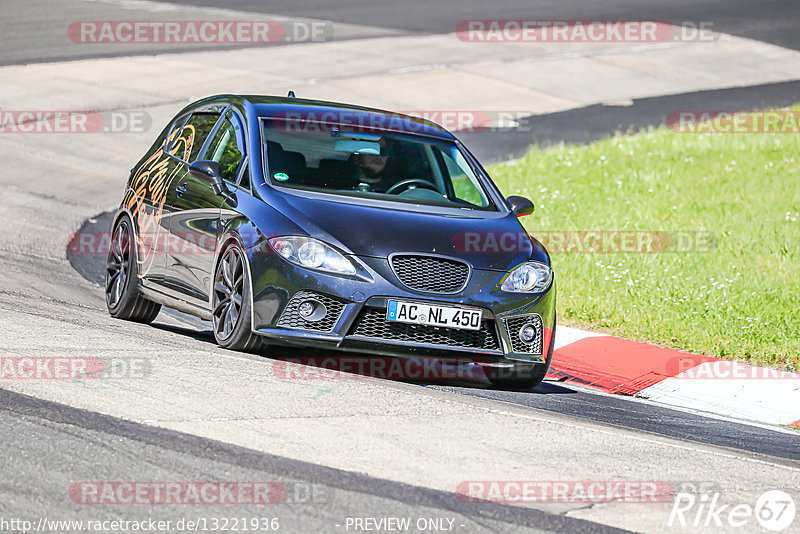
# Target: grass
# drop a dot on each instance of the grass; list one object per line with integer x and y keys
{"x": 740, "y": 300}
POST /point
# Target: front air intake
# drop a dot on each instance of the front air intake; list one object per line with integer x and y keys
{"x": 430, "y": 274}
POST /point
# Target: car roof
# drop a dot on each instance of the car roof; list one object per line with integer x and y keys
{"x": 343, "y": 114}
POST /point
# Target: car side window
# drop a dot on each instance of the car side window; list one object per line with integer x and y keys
{"x": 464, "y": 183}
{"x": 245, "y": 181}
{"x": 193, "y": 135}
{"x": 173, "y": 133}
{"x": 225, "y": 147}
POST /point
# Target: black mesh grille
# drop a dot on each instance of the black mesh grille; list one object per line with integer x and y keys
{"x": 513, "y": 327}
{"x": 291, "y": 319}
{"x": 431, "y": 274}
{"x": 372, "y": 324}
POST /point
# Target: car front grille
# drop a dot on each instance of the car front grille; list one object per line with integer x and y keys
{"x": 372, "y": 324}
{"x": 430, "y": 274}
{"x": 291, "y": 319}
{"x": 514, "y": 324}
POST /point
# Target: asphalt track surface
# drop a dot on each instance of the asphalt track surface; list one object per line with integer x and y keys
{"x": 587, "y": 124}
{"x": 33, "y": 30}
{"x": 82, "y": 445}
{"x": 49, "y": 445}
{"x": 772, "y": 21}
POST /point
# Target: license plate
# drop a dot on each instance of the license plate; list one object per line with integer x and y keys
{"x": 434, "y": 315}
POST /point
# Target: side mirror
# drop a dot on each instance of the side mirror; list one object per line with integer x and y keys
{"x": 211, "y": 172}
{"x": 521, "y": 206}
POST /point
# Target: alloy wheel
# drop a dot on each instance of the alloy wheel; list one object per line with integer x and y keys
{"x": 228, "y": 291}
{"x": 118, "y": 264}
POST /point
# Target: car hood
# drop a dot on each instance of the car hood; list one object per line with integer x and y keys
{"x": 495, "y": 242}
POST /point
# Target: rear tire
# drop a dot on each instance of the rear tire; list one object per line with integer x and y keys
{"x": 522, "y": 375}
{"x": 122, "y": 274}
{"x": 230, "y": 303}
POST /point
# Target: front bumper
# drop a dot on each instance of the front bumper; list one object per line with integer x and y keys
{"x": 355, "y": 316}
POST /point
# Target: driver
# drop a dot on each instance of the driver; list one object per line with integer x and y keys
{"x": 369, "y": 171}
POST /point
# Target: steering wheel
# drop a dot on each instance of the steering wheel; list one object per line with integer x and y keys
{"x": 409, "y": 182}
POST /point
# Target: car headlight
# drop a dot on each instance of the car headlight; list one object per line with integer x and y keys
{"x": 311, "y": 253}
{"x": 531, "y": 277}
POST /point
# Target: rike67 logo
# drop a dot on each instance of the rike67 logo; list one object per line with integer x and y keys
{"x": 774, "y": 511}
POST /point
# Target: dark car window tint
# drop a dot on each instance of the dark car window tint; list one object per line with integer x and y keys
{"x": 225, "y": 148}
{"x": 194, "y": 134}
{"x": 384, "y": 165}
{"x": 174, "y": 132}
{"x": 245, "y": 181}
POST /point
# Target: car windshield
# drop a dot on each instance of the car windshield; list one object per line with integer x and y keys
{"x": 375, "y": 164}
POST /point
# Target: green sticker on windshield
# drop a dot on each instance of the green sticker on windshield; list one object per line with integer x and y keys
{"x": 281, "y": 177}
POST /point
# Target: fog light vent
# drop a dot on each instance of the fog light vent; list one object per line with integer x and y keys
{"x": 524, "y": 333}
{"x": 309, "y": 310}
{"x": 527, "y": 333}
{"x": 312, "y": 310}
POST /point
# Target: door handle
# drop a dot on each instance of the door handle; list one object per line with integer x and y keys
{"x": 181, "y": 189}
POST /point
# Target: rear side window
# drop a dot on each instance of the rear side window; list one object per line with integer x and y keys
{"x": 187, "y": 146}
{"x": 174, "y": 132}
{"x": 245, "y": 181}
{"x": 226, "y": 147}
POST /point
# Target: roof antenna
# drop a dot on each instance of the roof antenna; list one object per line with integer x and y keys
{"x": 290, "y": 95}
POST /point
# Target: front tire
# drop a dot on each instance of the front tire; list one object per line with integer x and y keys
{"x": 230, "y": 303}
{"x": 522, "y": 375}
{"x": 122, "y": 273}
